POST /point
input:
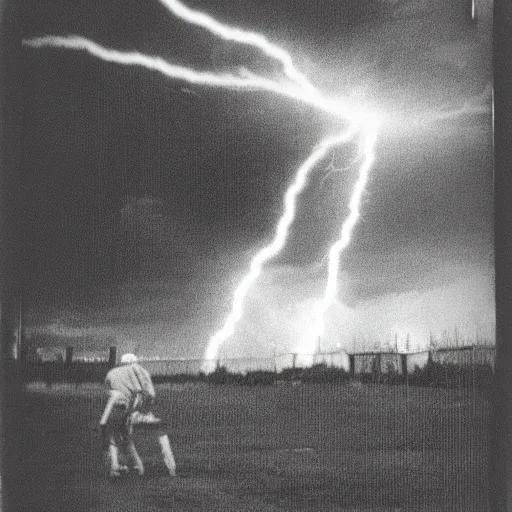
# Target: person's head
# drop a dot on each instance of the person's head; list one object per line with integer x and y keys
{"x": 128, "y": 359}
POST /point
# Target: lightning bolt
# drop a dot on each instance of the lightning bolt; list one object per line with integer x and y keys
{"x": 274, "y": 247}
{"x": 238, "y": 35}
{"x": 302, "y": 91}
{"x": 152, "y": 63}
{"x": 334, "y": 169}
{"x": 331, "y": 290}
{"x": 248, "y": 81}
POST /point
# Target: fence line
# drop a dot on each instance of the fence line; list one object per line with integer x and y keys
{"x": 375, "y": 366}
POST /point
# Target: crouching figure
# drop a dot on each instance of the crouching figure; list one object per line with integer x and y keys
{"x": 131, "y": 396}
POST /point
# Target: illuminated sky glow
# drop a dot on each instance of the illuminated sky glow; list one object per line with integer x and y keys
{"x": 308, "y": 95}
{"x": 232, "y": 144}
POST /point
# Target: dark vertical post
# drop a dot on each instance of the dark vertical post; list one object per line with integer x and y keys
{"x": 19, "y": 339}
{"x": 428, "y": 367}
{"x": 23, "y": 354}
{"x": 378, "y": 364}
{"x": 69, "y": 355}
{"x": 473, "y": 378}
{"x": 294, "y": 360}
{"x": 112, "y": 357}
{"x": 403, "y": 363}
{"x": 352, "y": 361}
{"x": 500, "y": 463}
{"x": 11, "y": 258}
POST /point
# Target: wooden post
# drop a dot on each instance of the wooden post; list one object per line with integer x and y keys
{"x": 473, "y": 378}
{"x": 69, "y": 356}
{"x": 500, "y": 464}
{"x": 112, "y": 357}
{"x": 294, "y": 360}
{"x": 379, "y": 367}
{"x": 23, "y": 354}
{"x": 352, "y": 365}
{"x": 403, "y": 361}
{"x": 12, "y": 278}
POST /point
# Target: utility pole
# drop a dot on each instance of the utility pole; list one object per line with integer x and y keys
{"x": 11, "y": 259}
{"x": 500, "y": 462}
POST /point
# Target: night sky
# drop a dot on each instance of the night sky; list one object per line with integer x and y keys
{"x": 145, "y": 198}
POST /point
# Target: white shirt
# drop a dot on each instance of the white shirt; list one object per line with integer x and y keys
{"x": 125, "y": 383}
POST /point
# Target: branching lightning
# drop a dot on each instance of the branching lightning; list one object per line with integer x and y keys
{"x": 331, "y": 289}
{"x": 248, "y": 81}
{"x": 334, "y": 169}
{"x": 237, "y": 35}
{"x": 301, "y": 89}
{"x": 274, "y": 247}
{"x": 152, "y": 63}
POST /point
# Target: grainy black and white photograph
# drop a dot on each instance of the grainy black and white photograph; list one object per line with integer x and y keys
{"x": 257, "y": 255}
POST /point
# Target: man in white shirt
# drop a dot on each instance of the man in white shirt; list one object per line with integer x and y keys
{"x": 130, "y": 391}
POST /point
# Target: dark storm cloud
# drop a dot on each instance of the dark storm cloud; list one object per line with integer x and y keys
{"x": 146, "y": 198}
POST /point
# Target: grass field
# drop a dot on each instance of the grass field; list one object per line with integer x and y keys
{"x": 315, "y": 447}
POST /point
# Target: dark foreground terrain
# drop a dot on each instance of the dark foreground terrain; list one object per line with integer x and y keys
{"x": 284, "y": 447}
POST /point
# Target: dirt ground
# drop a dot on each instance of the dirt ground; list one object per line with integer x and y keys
{"x": 273, "y": 448}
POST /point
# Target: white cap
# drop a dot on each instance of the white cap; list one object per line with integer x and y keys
{"x": 128, "y": 358}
